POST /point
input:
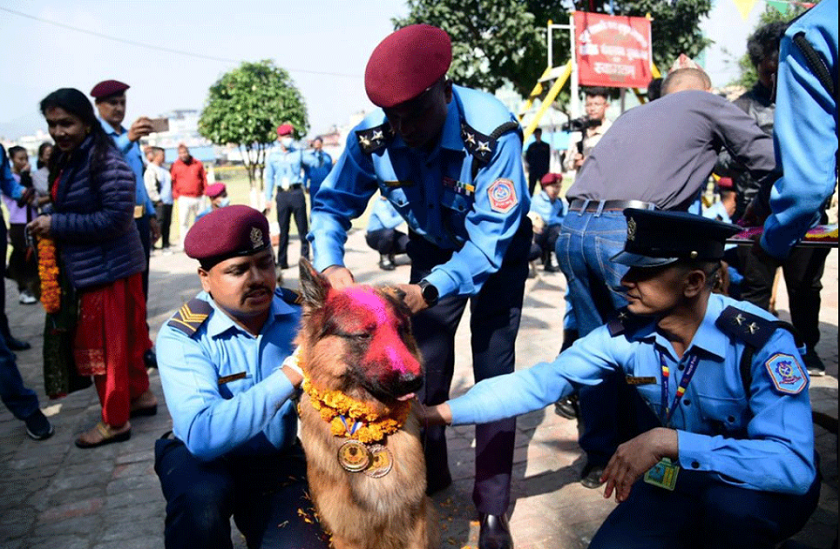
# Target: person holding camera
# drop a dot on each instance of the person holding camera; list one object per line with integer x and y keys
{"x": 591, "y": 128}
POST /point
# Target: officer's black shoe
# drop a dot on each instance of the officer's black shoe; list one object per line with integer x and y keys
{"x": 150, "y": 359}
{"x": 814, "y": 363}
{"x": 590, "y": 477}
{"x": 16, "y": 344}
{"x": 386, "y": 264}
{"x": 494, "y": 532}
{"x": 566, "y": 407}
{"x": 548, "y": 265}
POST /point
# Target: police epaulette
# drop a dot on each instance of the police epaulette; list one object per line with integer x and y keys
{"x": 749, "y": 328}
{"x": 482, "y": 146}
{"x": 191, "y": 316}
{"x": 289, "y": 296}
{"x": 373, "y": 139}
{"x": 617, "y": 325}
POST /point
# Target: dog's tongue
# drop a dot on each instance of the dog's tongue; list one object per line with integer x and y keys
{"x": 403, "y": 398}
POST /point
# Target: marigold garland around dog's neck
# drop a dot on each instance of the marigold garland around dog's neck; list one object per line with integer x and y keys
{"x": 338, "y": 410}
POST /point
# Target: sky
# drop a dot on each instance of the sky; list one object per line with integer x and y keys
{"x": 323, "y": 44}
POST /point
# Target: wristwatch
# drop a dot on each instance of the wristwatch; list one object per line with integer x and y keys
{"x": 429, "y": 293}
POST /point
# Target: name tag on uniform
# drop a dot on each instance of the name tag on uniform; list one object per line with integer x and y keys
{"x": 232, "y": 377}
{"x": 398, "y": 184}
{"x": 647, "y": 380}
{"x": 663, "y": 474}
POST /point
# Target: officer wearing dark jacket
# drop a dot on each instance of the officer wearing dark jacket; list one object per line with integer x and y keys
{"x": 449, "y": 159}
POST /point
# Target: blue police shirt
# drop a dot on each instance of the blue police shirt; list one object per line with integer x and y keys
{"x": 804, "y": 132}
{"x": 224, "y": 387}
{"x": 550, "y": 212}
{"x": 435, "y": 192}
{"x": 764, "y": 442}
{"x": 320, "y": 167}
{"x": 131, "y": 153}
{"x": 383, "y": 216}
{"x": 284, "y": 168}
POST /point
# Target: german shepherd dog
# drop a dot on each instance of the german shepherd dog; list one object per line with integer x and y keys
{"x": 365, "y": 464}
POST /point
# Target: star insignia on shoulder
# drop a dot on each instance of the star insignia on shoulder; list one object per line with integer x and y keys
{"x": 753, "y": 328}
{"x": 377, "y": 135}
{"x": 739, "y": 319}
{"x": 483, "y": 146}
{"x": 622, "y": 316}
{"x": 470, "y": 138}
{"x": 364, "y": 140}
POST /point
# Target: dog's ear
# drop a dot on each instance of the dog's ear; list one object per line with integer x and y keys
{"x": 313, "y": 285}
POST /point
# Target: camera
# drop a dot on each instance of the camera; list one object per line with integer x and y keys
{"x": 580, "y": 124}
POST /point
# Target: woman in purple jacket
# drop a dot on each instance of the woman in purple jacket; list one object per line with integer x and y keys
{"x": 92, "y": 224}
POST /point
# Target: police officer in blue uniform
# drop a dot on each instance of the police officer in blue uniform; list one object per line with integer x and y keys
{"x": 284, "y": 172}
{"x": 449, "y": 159}
{"x": 731, "y": 462}
{"x": 233, "y": 449}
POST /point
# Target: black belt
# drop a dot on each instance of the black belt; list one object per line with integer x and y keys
{"x": 292, "y": 187}
{"x": 578, "y": 204}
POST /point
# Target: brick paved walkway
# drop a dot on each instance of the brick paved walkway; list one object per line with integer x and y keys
{"x": 53, "y": 495}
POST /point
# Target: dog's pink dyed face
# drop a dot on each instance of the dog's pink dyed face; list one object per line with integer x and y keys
{"x": 371, "y": 330}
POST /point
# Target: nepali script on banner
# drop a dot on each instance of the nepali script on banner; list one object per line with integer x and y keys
{"x": 612, "y": 50}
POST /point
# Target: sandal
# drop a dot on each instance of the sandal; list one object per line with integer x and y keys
{"x": 108, "y": 437}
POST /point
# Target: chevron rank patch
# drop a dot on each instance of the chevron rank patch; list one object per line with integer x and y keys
{"x": 787, "y": 374}
{"x": 502, "y": 195}
{"x": 191, "y": 316}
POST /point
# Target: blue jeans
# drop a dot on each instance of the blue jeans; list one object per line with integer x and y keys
{"x": 20, "y": 401}
{"x": 587, "y": 242}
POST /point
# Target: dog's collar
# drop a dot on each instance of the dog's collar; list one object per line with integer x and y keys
{"x": 355, "y": 420}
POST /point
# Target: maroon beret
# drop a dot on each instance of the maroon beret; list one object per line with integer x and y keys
{"x": 285, "y": 129}
{"x": 406, "y": 63}
{"x": 107, "y": 88}
{"x": 551, "y": 178}
{"x": 725, "y": 183}
{"x": 227, "y": 232}
{"x": 215, "y": 190}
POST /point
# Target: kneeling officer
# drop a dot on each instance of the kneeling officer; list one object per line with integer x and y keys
{"x": 732, "y": 464}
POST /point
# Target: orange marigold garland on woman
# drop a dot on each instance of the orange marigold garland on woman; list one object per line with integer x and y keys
{"x": 48, "y": 272}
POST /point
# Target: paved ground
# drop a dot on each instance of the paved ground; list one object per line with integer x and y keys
{"x": 53, "y": 495}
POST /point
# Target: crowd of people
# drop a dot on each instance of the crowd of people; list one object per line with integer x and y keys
{"x": 690, "y": 401}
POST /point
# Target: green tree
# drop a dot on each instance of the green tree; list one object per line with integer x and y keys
{"x": 748, "y": 76}
{"x": 498, "y": 41}
{"x": 245, "y": 106}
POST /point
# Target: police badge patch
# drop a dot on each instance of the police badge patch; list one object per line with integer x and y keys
{"x": 502, "y": 195}
{"x": 786, "y": 373}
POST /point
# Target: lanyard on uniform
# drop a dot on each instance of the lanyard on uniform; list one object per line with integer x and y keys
{"x": 690, "y": 368}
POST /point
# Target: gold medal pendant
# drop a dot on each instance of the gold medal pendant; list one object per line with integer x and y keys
{"x": 382, "y": 461}
{"x": 354, "y": 456}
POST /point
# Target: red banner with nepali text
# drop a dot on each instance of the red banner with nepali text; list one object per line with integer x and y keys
{"x": 612, "y": 50}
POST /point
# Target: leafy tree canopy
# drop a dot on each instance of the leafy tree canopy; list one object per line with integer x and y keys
{"x": 498, "y": 41}
{"x": 245, "y": 106}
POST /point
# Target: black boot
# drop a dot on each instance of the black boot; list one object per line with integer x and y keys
{"x": 548, "y": 264}
{"x": 385, "y": 263}
{"x": 494, "y": 532}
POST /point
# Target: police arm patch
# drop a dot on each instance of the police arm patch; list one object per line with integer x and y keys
{"x": 502, "y": 195}
{"x": 787, "y": 374}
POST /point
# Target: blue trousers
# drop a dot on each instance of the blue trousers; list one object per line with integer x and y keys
{"x": 703, "y": 512}
{"x": 264, "y": 494}
{"x": 586, "y": 243}
{"x": 20, "y": 401}
{"x": 494, "y": 322}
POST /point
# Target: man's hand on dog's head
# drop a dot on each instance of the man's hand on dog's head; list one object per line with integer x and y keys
{"x": 413, "y": 298}
{"x": 339, "y": 277}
